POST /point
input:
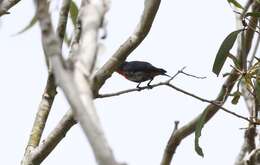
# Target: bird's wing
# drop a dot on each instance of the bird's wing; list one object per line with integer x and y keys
{"x": 139, "y": 66}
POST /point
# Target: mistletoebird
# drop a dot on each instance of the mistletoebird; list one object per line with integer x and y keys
{"x": 140, "y": 71}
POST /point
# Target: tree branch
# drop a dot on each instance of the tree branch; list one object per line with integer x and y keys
{"x": 167, "y": 83}
{"x": 90, "y": 17}
{"x": 145, "y": 22}
{"x": 41, "y": 117}
{"x": 6, "y": 5}
{"x": 211, "y": 109}
{"x": 189, "y": 128}
{"x": 251, "y": 100}
{"x": 168, "y": 146}
{"x": 56, "y": 135}
{"x": 253, "y": 158}
{"x": 49, "y": 93}
{"x": 78, "y": 95}
{"x": 63, "y": 18}
{"x": 150, "y": 9}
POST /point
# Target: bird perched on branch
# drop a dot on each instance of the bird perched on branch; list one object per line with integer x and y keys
{"x": 140, "y": 71}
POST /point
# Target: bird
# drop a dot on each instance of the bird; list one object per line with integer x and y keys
{"x": 140, "y": 71}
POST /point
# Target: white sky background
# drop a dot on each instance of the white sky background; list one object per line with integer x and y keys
{"x": 137, "y": 125}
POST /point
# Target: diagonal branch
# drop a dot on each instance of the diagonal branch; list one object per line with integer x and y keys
{"x": 78, "y": 95}
{"x": 49, "y": 92}
{"x": 56, "y": 135}
{"x": 41, "y": 117}
{"x": 90, "y": 17}
{"x": 189, "y": 128}
{"x": 150, "y": 9}
{"x": 63, "y": 18}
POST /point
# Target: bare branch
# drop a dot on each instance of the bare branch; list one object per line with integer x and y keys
{"x": 248, "y": 98}
{"x": 90, "y": 19}
{"x": 49, "y": 93}
{"x": 246, "y": 93}
{"x": 242, "y": 153}
{"x": 251, "y": 132}
{"x": 44, "y": 149}
{"x": 181, "y": 71}
{"x": 59, "y": 132}
{"x": 167, "y": 83}
{"x": 41, "y": 117}
{"x": 255, "y": 50}
{"x": 250, "y": 32}
{"x": 168, "y": 146}
{"x": 150, "y": 9}
{"x": 6, "y": 5}
{"x": 253, "y": 158}
{"x": 62, "y": 23}
{"x": 211, "y": 110}
{"x": 198, "y": 77}
{"x": 78, "y": 95}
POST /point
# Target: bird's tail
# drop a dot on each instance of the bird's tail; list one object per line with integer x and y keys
{"x": 163, "y": 72}
{"x": 166, "y": 75}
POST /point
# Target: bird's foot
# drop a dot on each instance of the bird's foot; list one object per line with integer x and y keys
{"x": 139, "y": 88}
{"x": 149, "y": 86}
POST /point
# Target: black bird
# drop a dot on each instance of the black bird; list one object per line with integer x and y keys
{"x": 140, "y": 71}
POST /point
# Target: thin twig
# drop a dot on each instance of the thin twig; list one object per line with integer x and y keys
{"x": 210, "y": 110}
{"x": 187, "y": 74}
{"x": 176, "y": 123}
{"x": 168, "y": 83}
{"x": 181, "y": 71}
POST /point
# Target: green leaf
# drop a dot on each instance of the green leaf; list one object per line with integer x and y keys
{"x": 32, "y": 22}
{"x": 223, "y": 51}
{"x": 74, "y": 12}
{"x": 236, "y": 97}
{"x": 198, "y": 129}
{"x": 234, "y": 59}
{"x": 253, "y": 14}
{"x": 235, "y": 3}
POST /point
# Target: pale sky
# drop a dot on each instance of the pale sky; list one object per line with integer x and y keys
{"x": 137, "y": 125}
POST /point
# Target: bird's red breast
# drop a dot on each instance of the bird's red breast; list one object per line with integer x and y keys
{"x": 121, "y": 72}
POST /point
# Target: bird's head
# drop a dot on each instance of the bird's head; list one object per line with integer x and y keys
{"x": 120, "y": 69}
